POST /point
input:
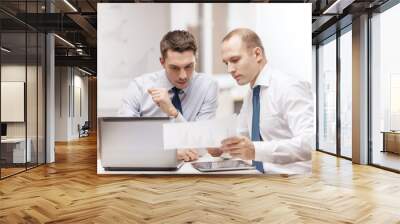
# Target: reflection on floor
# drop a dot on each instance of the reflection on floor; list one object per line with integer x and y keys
{"x": 347, "y": 152}
{"x": 10, "y": 169}
{"x": 386, "y": 159}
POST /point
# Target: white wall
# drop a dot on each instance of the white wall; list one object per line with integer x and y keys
{"x": 61, "y": 103}
{"x": 124, "y": 53}
{"x": 189, "y": 11}
{"x": 243, "y": 15}
{"x": 67, "y": 116}
{"x": 285, "y": 30}
{"x": 33, "y": 127}
{"x": 80, "y": 114}
{"x": 17, "y": 73}
{"x": 128, "y": 45}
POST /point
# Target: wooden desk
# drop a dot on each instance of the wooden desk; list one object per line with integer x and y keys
{"x": 303, "y": 167}
{"x": 186, "y": 168}
{"x": 391, "y": 141}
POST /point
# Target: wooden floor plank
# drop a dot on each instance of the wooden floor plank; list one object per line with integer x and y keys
{"x": 70, "y": 191}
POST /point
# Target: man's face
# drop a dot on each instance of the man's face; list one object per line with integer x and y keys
{"x": 179, "y": 67}
{"x": 241, "y": 62}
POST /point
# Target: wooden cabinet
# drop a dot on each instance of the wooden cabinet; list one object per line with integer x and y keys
{"x": 391, "y": 142}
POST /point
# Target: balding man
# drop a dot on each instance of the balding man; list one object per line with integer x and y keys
{"x": 277, "y": 118}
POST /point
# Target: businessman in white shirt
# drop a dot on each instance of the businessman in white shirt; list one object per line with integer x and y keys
{"x": 276, "y": 122}
{"x": 177, "y": 91}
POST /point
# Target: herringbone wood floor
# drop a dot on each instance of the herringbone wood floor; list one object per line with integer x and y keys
{"x": 70, "y": 191}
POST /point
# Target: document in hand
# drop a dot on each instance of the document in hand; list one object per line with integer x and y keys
{"x": 199, "y": 134}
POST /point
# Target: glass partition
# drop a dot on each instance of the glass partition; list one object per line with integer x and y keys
{"x": 346, "y": 94}
{"x": 327, "y": 96}
{"x": 385, "y": 89}
{"x": 22, "y": 77}
{"x": 13, "y": 103}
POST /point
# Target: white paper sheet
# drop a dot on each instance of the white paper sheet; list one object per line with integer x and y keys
{"x": 199, "y": 134}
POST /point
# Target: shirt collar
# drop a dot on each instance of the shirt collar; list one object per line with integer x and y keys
{"x": 264, "y": 78}
{"x": 165, "y": 83}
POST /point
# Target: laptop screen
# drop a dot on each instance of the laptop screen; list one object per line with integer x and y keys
{"x": 134, "y": 142}
{"x": 3, "y": 129}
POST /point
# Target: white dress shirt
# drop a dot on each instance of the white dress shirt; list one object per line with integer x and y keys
{"x": 286, "y": 122}
{"x": 198, "y": 99}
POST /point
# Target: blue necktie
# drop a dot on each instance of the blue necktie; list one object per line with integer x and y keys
{"x": 175, "y": 99}
{"x": 255, "y": 124}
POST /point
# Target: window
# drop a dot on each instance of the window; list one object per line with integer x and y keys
{"x": 327, "y": 96}
{"x": 346, "y": 93}
{"x": 385, "y": 89}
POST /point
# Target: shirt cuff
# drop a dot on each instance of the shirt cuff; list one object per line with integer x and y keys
{"x": 263, "y": 151}
{"x": 179, "y": 118}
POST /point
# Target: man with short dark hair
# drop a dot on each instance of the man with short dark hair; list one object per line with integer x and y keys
{"x": 276, "y": 121}
{"x": 176, "y": 91}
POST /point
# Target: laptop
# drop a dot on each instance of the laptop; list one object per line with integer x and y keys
{"x": 135, "y": 144}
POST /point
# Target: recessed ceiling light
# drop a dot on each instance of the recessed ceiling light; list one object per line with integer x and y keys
{"x": 65, "y": 41}
{"x": 338, "y": 6}
{"x": 70, "y": 5}
{"x": 5, "y": 50}
{"x": 84, "y": 71}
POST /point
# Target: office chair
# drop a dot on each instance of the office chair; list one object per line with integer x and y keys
{"x": 84, "y": 130}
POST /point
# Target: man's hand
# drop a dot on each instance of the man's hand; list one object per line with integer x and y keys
{"x": 241, "y": 147}
{"x": 215, "y": 152}
{"x": 160, "y": 97}
{"x": 187, "y": 154}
